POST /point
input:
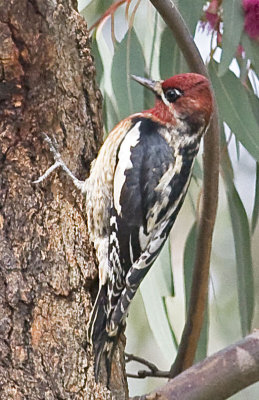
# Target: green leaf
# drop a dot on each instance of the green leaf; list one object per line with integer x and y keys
{"x": 171, "y": 61}
{"x": 94, "y": 10}
{"x": 233, "y": 27}
{"x": 241, "y": 234}
{"x": 252, "y": 51}
{"x": 202, "y": 348}
{"x": 97, "y": 61}
{"x": 235, "y": 109}
{"x": 189, "y": 252}
{"x": 256, "y": 201}
{"x": 191, "y": 12}
{"x": 197, "y": 172}
{"x": 128, "y": 59}
{"x": 157, "y": 284}
{"x": 242, "y": 241}
{"x": 111, "y": 117}
{"x": 255, "y": 50}
{"x": 83, "y": 3}
{"x": 254, "y": 101}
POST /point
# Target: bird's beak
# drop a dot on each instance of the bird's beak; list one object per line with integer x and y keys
{"x": 155, "y": 86}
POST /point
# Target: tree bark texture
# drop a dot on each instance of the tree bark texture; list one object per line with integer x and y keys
{"x": 48, "y": 272}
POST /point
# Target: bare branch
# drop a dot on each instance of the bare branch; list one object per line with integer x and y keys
{"x": 199, "y": 290}
{"x": 153, "y": 370}
{"x": 217, "y": 377}
{"x": 141, "y": 374}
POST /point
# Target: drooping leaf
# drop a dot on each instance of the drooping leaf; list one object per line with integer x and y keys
{"x": 235, "y": 109}
{"x": 202, "y": 348}
{"x": 255, "y": 50}
{"x": 233, "y": 27}
{"x": 157, "y": 284}
{"x": 111, "y": 117}
{"x": 197, "y": 172}
{"x": 191, "y": 12}
{"x": 144, "y": 23}
{"x": 94, "y": 10}
{"x": 241, "y": 234}
{"x": 83, "y": 3}
{"x": 97, "y": 61}
{"x": 254, "y": 101}
{"x": 256, "y": 200}
{"x": 189, "y": 255}
{"x": 105, "y": 53}
{"x": 171, "y": 61}
{"x": 128, "y": 59}
{"x": 166, "y": 308}
{"x": 252, "y": 49}
{"x": 242, "y": 241}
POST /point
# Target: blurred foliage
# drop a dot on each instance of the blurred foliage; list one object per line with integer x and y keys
{"x": 131, "y": 38}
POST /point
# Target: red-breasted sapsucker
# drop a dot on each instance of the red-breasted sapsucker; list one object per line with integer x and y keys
{"x": 135, "y": 190}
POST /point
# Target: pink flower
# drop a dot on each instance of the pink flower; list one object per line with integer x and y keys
{"x": 212, "y": 15}
{"x": 251, "y": 10}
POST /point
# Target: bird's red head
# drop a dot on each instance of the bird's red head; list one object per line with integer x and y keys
{"x": 185, "y": 97}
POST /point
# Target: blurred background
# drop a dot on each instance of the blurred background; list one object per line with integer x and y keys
{"x": 130, "y": 37}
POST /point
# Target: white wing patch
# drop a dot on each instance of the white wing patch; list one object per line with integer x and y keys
{"x": 143, "y": 239}
{"x": 165, "y": 190}
{"x": 124, "y": 163}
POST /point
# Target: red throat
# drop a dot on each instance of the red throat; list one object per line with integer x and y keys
{"x": 162, "y": 112}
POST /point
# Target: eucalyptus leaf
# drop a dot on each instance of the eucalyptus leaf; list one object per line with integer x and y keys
{"x": 197, "y": 171}
{"x": 256, "y": 200}
{"x": 233, "y": 27}
{"x": 191, "y": 12}
{"x": 94, "y": 10}
{"x": 171, "y": 61}
{"x": 202, "y": 348}
{"x": 189, "y": 252}
{"x": 158, "y": 284}
{"x": 254, "y": 102}
{"x": 252, "y": 51}
{"x": 111, "y": 117}
{"x": 255, "y": 50}
{"x": 241, "y": 234}
{"x": 97, "y": 61}
{"x": 128, "y": 59}
{"x": 83, "y": 3}
{"x": 235, "y": 109}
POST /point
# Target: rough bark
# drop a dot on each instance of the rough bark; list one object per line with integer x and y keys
{"x": 48, "y": 272}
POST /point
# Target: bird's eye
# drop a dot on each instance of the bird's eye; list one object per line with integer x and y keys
{"x": 172, "y": 95}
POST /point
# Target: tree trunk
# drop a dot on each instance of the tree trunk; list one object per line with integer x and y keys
{"x": 48, "y": 267}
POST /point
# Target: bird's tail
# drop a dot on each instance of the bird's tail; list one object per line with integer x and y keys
{"x": 97, "y": 334}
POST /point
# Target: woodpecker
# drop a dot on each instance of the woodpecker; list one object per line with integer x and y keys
{"x": 136, "y": 187}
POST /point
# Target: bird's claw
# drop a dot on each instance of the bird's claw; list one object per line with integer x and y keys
{"x": 81, "y": 185}
{"x": 57, "y": 157}
{"x": 52, "y": 147}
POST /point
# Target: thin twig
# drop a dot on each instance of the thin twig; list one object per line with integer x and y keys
{"x": 142, "y": 374}
{"x": 153, "y": 370}
{"x": 199, "y": 290}
{"x": 132, "y": 357}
